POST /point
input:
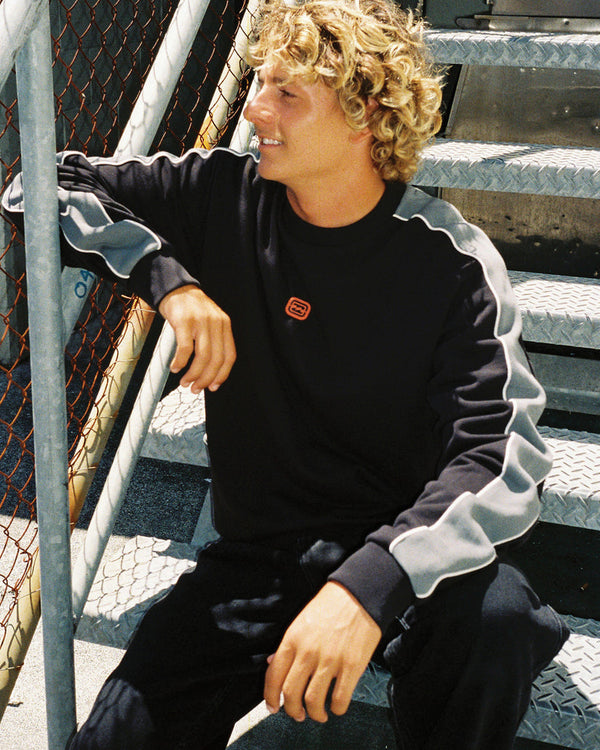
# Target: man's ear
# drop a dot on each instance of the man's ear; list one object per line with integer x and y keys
{"x": 372, "y": 105}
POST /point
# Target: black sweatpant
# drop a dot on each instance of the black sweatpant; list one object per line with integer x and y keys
{"x": 462, "y": 661}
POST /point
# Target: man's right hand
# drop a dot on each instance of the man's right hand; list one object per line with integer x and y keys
{"x": 203, "y": 333}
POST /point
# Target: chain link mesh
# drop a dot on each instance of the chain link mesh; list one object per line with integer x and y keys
{"x": 103, "y": 50}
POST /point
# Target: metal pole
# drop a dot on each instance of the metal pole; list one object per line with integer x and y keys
{"x": 142, "y": 124}
{"x": 38, "y": 148}
{"x": 121, "y": 471}
{"x": 17, "y": 19}
{"x": 162, "y": 78}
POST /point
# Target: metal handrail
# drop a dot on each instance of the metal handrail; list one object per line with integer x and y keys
{"x": 25, "y": 38}
{"x": 18, "y": 18}
{"x": 42, "y": 250}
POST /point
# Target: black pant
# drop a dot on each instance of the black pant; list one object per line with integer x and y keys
{"x": 462, "y": 661}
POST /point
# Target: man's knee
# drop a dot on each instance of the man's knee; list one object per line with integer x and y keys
{"x": 516, "y": 626}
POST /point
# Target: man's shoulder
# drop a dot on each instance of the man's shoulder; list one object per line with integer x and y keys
{"x": 444, "y": 225}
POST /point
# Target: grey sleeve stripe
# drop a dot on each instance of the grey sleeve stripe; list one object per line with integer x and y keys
{"x": 89, "y": 229}
{"x": 12, "y": 197}
{"x": 463, "y": 538}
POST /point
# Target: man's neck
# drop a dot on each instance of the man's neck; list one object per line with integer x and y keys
{"x": 337, "y": 206}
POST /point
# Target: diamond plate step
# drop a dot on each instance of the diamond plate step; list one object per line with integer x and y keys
{"x": 540, "y": 169}
{"x": 565, "y": 706}
{"x": 128, "y": 584}
{"x": 571, "y": 493}
{"x": 177, "y": 432}
{"x": 515, "y": 48}
{"x": 559, "y": 310}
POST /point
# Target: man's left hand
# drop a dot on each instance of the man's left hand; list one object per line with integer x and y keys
{"x": 333, "y": 638}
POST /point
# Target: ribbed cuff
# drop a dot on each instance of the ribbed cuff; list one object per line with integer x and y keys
{"x": 157, "y": 275}
{"x": 382, "y": 587}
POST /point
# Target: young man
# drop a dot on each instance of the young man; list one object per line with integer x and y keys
{"x": 370, "y": 412}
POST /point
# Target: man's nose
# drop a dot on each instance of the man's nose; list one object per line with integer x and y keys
{"x": 259, "y": 110}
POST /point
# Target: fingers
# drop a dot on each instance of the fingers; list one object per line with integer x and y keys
{"x": 343, "y": 691}
{"x": 212, "y": 350}
{"x": 302, "y": 684}
{"x": 330, "y": 641}
{"x": 204, "y": 338}
{"x": 315, "y": 695}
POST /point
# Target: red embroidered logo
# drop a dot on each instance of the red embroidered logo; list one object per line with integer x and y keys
{"x": 297, "y": 308}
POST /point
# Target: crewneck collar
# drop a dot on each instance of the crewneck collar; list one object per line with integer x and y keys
{"x": 355, "y": 233}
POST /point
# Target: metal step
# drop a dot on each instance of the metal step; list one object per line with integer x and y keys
{"x": 571, "y": 493}
{"x": 565, "y": 706}
{"x": 559, "y": 310}
{"x": 540, "y": 169}
{"x": 177, "y": 432}
{"x": 515, "y": 48}
{"x": 127, "y": 584}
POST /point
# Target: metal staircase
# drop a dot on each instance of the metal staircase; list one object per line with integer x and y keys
{"x": 558, "y": 311}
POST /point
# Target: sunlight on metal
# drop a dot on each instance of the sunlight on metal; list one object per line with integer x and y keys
{"x": 38, "y": 148}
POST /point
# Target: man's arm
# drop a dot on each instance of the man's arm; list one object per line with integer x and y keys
{"x": 129, "y": 220}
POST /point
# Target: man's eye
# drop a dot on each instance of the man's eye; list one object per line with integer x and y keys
{"x": 286, "y": 94}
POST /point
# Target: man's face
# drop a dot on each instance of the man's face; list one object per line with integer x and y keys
{"x": 304, "y": 139}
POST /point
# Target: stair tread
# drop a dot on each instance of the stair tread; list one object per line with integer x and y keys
{"x": 571, "y": 494}
{"x": 515, "y": 48}
{"x": 559, "y": 310}
{"x": 540, "y": 169}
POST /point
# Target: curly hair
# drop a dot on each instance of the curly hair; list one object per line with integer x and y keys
{"x": 367, "y": 51}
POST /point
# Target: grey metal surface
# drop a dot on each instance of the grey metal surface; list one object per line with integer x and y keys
{"x": 526, "y": 105}
{"x": 540, "y": 169}
{"x": 572, "y": 489}
{"x": 42, "y": 249}
{"x": 17, "y": 20}
{"x": 515, "y": 48}
{"x": 177, "y": 432}
{"x": 128, "y": 584}
{"x": 583, "y": 8}
{"x": 571, "y": 383}
{"x": 560, "y": 310}
{"x": 530, "y": 24}
{"x": 530, "y": 105}
{"x": 565, "y": 702}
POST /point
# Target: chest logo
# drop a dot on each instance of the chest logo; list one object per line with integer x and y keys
{"x": 297, "y": 308}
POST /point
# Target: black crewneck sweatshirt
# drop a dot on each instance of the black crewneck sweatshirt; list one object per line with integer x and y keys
{"x": 380, "y": 393}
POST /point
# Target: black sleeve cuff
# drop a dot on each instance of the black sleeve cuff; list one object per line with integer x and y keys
{"x": 382, "y": 587}
{"x": 157, "y": 275}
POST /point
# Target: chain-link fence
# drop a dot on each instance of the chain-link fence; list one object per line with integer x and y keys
{"x": 103, "y": 50}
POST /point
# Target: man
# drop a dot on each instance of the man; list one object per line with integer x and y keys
{"x": 370, "y": 411}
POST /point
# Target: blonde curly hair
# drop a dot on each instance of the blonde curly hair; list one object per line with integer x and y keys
{"x": 367, "y": 51}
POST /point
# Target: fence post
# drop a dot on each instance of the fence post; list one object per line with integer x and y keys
{"x": 38, "y": 149}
